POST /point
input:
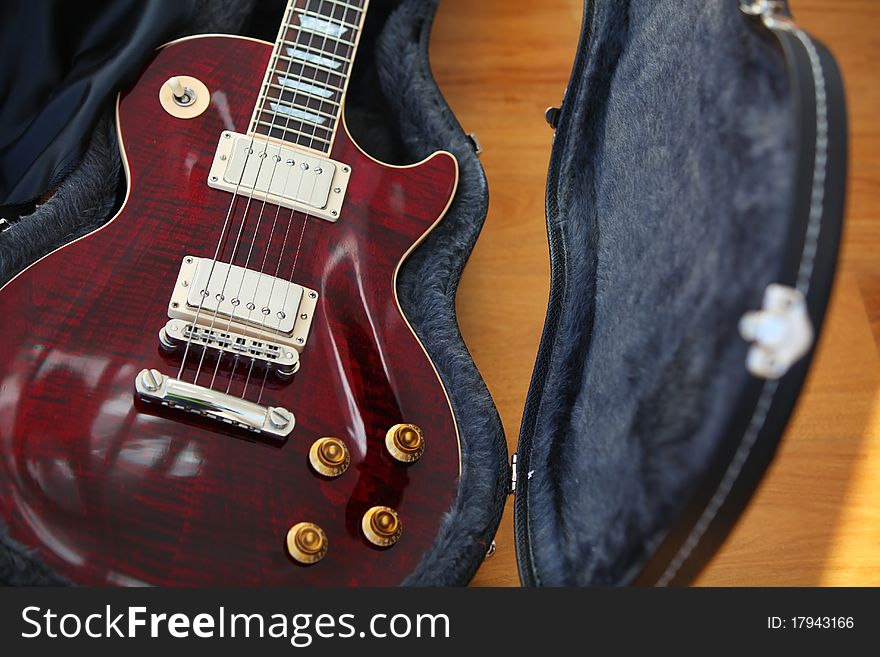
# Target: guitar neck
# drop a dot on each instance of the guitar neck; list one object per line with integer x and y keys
{"x": 304, "y": 87}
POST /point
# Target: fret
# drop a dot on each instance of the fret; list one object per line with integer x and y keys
{"x": 329, "y": 110}
{"x": 322, "y": 28}
{"x": 330, "y": 19}
{"x": 297, "y": 35}
{"x": 293, "y": 112}
{"x": 343, "y": 4}
{"x": 303, "y": 63}
{"x": 304, "y": 30}
{"x": 320, "y": 88}
{"x": 304, "y": 88}
{"x": 313, "y": 57}
{"x": 303, "y": 98}
{"x": 348, "y": 12}
{"x": 323, "y": 25}
{"x": 312, "y": 110}
{"x": 327, "y": 113}
{"x": 335, "y": 45}
{"x": 332, "y": 25}
{"x": 305, "y": 84}
{"x": 281, "y": 128}
{"x": 326, "y": 84}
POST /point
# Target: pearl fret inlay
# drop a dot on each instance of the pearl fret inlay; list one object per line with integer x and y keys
{"x": 299, "y": 85}
{"x": 313, "y": 24}
{"x": 297, "y": 113}
{"x": 304, "y": 88}
{"x": 311, "y": 58}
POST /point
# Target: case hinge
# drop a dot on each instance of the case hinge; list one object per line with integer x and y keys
{"x": 512, "y": 475}
{"x": 475, "y": 143}
{"x": 781, "y": 332}
{"x": 551, "y": 116}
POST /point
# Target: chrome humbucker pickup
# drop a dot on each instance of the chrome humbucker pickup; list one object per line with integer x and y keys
{"x": 255, "y": 167}
{"x": 217, "y": 295}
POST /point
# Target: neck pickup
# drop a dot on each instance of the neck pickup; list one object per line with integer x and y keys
{"x": 254, "y": 167}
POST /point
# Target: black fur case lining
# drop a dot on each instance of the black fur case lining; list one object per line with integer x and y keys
{"x": 672, "y": 206}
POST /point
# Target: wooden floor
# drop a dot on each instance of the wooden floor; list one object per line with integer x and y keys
{"x": 816, "y": 517}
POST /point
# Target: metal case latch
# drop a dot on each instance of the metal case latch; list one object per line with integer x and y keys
{"x": 781, "y": 332}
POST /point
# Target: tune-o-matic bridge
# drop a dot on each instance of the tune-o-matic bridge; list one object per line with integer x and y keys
{"x": 283, "y": 360}
{"x": 253, "y": 166}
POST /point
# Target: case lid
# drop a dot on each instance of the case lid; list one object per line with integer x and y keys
{"x": 694, "y": 208}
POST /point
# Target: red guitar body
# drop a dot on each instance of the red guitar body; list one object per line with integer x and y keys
{"x": 109, "y": 494}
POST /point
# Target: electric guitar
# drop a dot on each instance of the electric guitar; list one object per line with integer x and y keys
{"x": 219, "y": 387}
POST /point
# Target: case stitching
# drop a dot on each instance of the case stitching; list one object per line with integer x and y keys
{"x": 805, "y": 271}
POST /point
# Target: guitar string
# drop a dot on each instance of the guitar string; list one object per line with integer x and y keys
{"x": 220, "y": 241}
{"x": 352, "y": 50}
{"x": 221, "y": 296}
{"x": 260, "y": 279}
{"x": 251, "y": 306}
{"x": 306, "y": 216}
{"x": 284, "y": 244}
{"x": 244, "y": 220}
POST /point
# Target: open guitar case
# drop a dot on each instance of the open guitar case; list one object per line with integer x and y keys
{"x": 694, "y": 210}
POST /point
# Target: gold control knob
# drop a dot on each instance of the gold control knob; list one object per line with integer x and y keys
{"x": 405, "y": 442}
{"x": 306, "y": 542}
{"x": 329, "y": 457}
{"x": 381, "y": 526}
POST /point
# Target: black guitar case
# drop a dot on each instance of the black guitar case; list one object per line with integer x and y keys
{"x": 694, "y": 209}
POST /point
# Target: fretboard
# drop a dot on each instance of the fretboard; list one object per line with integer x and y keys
{"x": 304, "y": 86}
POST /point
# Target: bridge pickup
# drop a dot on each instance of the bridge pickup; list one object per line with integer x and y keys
{"x": 253, "y": 166}
{"x": 227, "y": 298}
{"x": 152, "y": 386}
